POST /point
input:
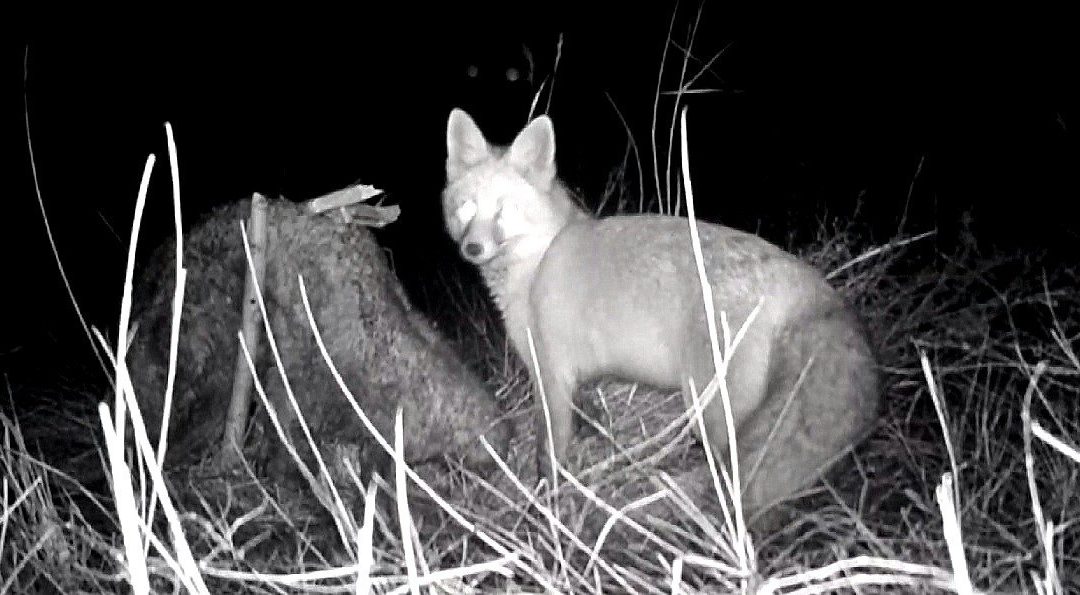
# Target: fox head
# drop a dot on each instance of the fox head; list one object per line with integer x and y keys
{"x": 499, "y": 201}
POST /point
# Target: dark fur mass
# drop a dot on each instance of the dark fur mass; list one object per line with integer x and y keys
{"x": 388, "y": 354}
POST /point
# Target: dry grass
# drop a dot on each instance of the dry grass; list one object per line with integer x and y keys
{"x": 970, "y": 481}
{"x": 969, "y": 342}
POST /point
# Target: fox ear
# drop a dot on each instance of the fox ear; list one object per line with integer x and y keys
{"x": 465, "y": 144}
{"x": 533, "y": 151}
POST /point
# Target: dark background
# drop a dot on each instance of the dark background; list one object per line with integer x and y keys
{"x": 804, "y": 119}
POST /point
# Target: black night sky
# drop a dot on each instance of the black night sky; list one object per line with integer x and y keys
{"x": 799, "y": 119}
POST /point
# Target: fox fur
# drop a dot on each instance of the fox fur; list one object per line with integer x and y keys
{"x": 620, "y": 297}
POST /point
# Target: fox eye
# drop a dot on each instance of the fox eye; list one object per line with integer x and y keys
{"x": 466, "y": 212}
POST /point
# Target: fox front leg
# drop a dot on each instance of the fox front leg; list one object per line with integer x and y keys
{"x": 554, "y": 398}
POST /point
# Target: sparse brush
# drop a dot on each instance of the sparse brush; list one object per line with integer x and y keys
{"x": 973, "y": 317}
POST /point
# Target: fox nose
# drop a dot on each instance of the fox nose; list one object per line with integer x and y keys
{"x": 473, "y": 249}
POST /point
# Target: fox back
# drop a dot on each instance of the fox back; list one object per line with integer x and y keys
{"x": 620, "y": 296}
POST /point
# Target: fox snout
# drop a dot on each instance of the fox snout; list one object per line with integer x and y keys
{"x": 477, "y": 252}
{"x": 472, "y": 249}
{"x": 481, "y": 240}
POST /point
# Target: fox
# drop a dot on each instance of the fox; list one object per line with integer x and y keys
{"x": 620, "y": 296}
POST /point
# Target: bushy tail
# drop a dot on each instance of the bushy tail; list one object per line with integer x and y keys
{"x": 823, "y": 396}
